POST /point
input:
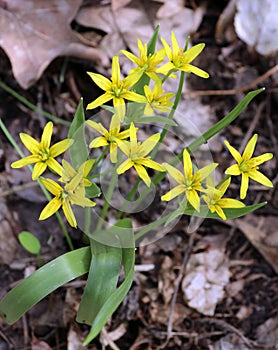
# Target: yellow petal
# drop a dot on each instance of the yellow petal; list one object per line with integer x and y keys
{"x": 148, "y": 145}
{"x": 230, "y": 203}
{"x": 25, "y": 161}
{"x": 193, "y": 199}
{"x": 220, "y": 212}
{"x": 206, "y": 171}
{"x": 233, "y": 152}
{"x": 250, "y": 147}
{"x": 253, "y": 162}
{"x": 175, "y": 45}
{"x": 173, "y": 193}
{"x": 142, "y": 172}
{"x": 101, "y": 81}
{"x": 98, "y": 142}
{"x": 39, "y": 168}
{"x": 174, "y": 172}
{"x": 54, "y": 166}
{"x": 120, "y": 108}
{"x": 223, "y": 188}
{"x": 187, "y": 164}
{"x": 244, "y": 185}
{"x": 68, "y": 171}
{"x": 260, "y": 178}
{"x": 133, "y": 96}
{"x": 131, "y": 56}
{"x": 46, "y": 135}
{"x": 193, "y": 52}
{"x": 167, "y": 49}
{"x": 115, "y": 123}
{"x": 60, "y": 147}
{"x": 107, "y": 96}
{"x": 113, "y": 152}
{"x": 233, "y": 170}
{"x": 125, "y": 147}
{"x": 97, "y": 126}
{"x": 69, "y": 213}
{"x": 87, "y": 166}
{"x": 151, "y": 164}
{"x": 127, "y": 164}
{"x": 51, "y": 186}
{"x": 50, "y": 208}
{"x": 116, "y": 74}
{"x": 30, "y": 143}
{"x": 195, "y": 70}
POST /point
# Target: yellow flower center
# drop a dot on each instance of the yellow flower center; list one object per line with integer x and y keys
{"x": 243, "y": 167}
{"x": 44, "y": 154}
{"x": 117, "y": 90}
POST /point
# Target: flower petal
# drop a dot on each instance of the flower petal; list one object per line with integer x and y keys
{"x": 51, "y": 186}
{"x": 113, "y": 152}
{"x": 253, "y": 162}
{"x": 230, "y": 203}
{"x": 102, "y": 99}
{"x": 50, "y": 208}
{"x": 101, "y": 81}
{"x": 250, "y": 147}
{"x": 244, "y": 185}
{"x": 116, "y": 73}
{"x": 97, "y": 126}
{"x": 206, "y": 171}
{"x": 25, "y": 161}
{"x": 30, "y": 143}
{"x": 46, "y": 135}
{"x": 175, "y": 45}
{"x": 173, "y": 193}
{"x": 260, "y": 178}
{"x": 151, "y": 164}
{"x": 69, "y": 213}
{"x": 148, "y": 145}
{"x": 189, "y": 68}
{"x": 233, "y": 170}
{"x": 187, "y": 164}
{"x": 193, "y": 52}
{"x": 174, "y": 172}
{"x": 39, "y": 168}
{"x": 127, "y": 164}
{"x": 142, "y": 172}
{"x": 233, "y": 152}
{"x": 60, "y": 147}
{"x": 220, "y": 212}
{"x": 98, "y": 142}
{"x": 133, "y": 96}
{"x": 54, "y": 166}
{"x": 193, "y": 199}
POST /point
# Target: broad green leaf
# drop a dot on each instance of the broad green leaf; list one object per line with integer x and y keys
{"x": 101, "y": 282}
{"x": 156, "y": 119}
{"x": 93, "y": 191}
{"x": 29, "y": 242}
{"x": 44, "y": 281}
{"x": 78, "y": 151}
{"x": 126, "y": 239}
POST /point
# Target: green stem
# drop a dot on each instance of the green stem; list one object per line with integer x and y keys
{"x": 44, "y": 190}
{"x": 32, "y": 106}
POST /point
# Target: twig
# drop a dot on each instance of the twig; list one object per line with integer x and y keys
{"x": 187, "y": 252}
{"x": 245, "y": 88}
{"x": 107, "y": 340}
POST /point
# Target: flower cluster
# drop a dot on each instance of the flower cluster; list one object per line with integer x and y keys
{"x": 196, "y": 186}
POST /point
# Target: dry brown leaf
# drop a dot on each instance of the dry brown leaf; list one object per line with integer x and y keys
{"x": 34, "y": 32}
{"x": 117, "y": 4}
{"x": 258, "y": 231}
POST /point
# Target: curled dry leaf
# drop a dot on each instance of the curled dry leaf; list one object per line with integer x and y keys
{"x": 34, "y": 32}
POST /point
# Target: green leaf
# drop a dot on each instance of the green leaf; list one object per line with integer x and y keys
{"x": 126, "y": 239}
{"x": 78, "y": 151}
{"x": 44, "y": 281}
{"x": 93, "y": 191}
{"x": 29, "y": 242}
{"x": 231, "y": 213}
{"x": 156, "y": 119}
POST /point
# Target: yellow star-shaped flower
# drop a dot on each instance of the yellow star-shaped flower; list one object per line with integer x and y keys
{"x": 42, "y": 154}
{"x": 147, "y": 63}
{"x": 180, "y": 59}
{"x": 247, "y": 166}
{"x": 214, "y": 200}
{"x": 72, "y": 193}
{"x": 111, "y": 137}
{"x": 189, "y": 183}
{"x": 156, "y": 99}
{"x": 116, "y": 89}
{"x": 137, "y": 155}
{"x": 68, "y": 172}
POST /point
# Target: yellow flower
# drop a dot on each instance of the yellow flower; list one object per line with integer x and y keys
{"x": 116, "y": 89}
{"x": 42, "y": 154}
{"x": 136, "y": 153}
{"x": 72, "y": 193}
{"x": 214, "y": 200}
{"x": 180, "y": 59}
{"x": 147, "y": 63}
{"x": 68, "y": 172}
{"x": 189, "y": 183}
{"x": 156, "y": 99}
{"x": 111, "y": 137}
{"x": 247, "y": 166}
